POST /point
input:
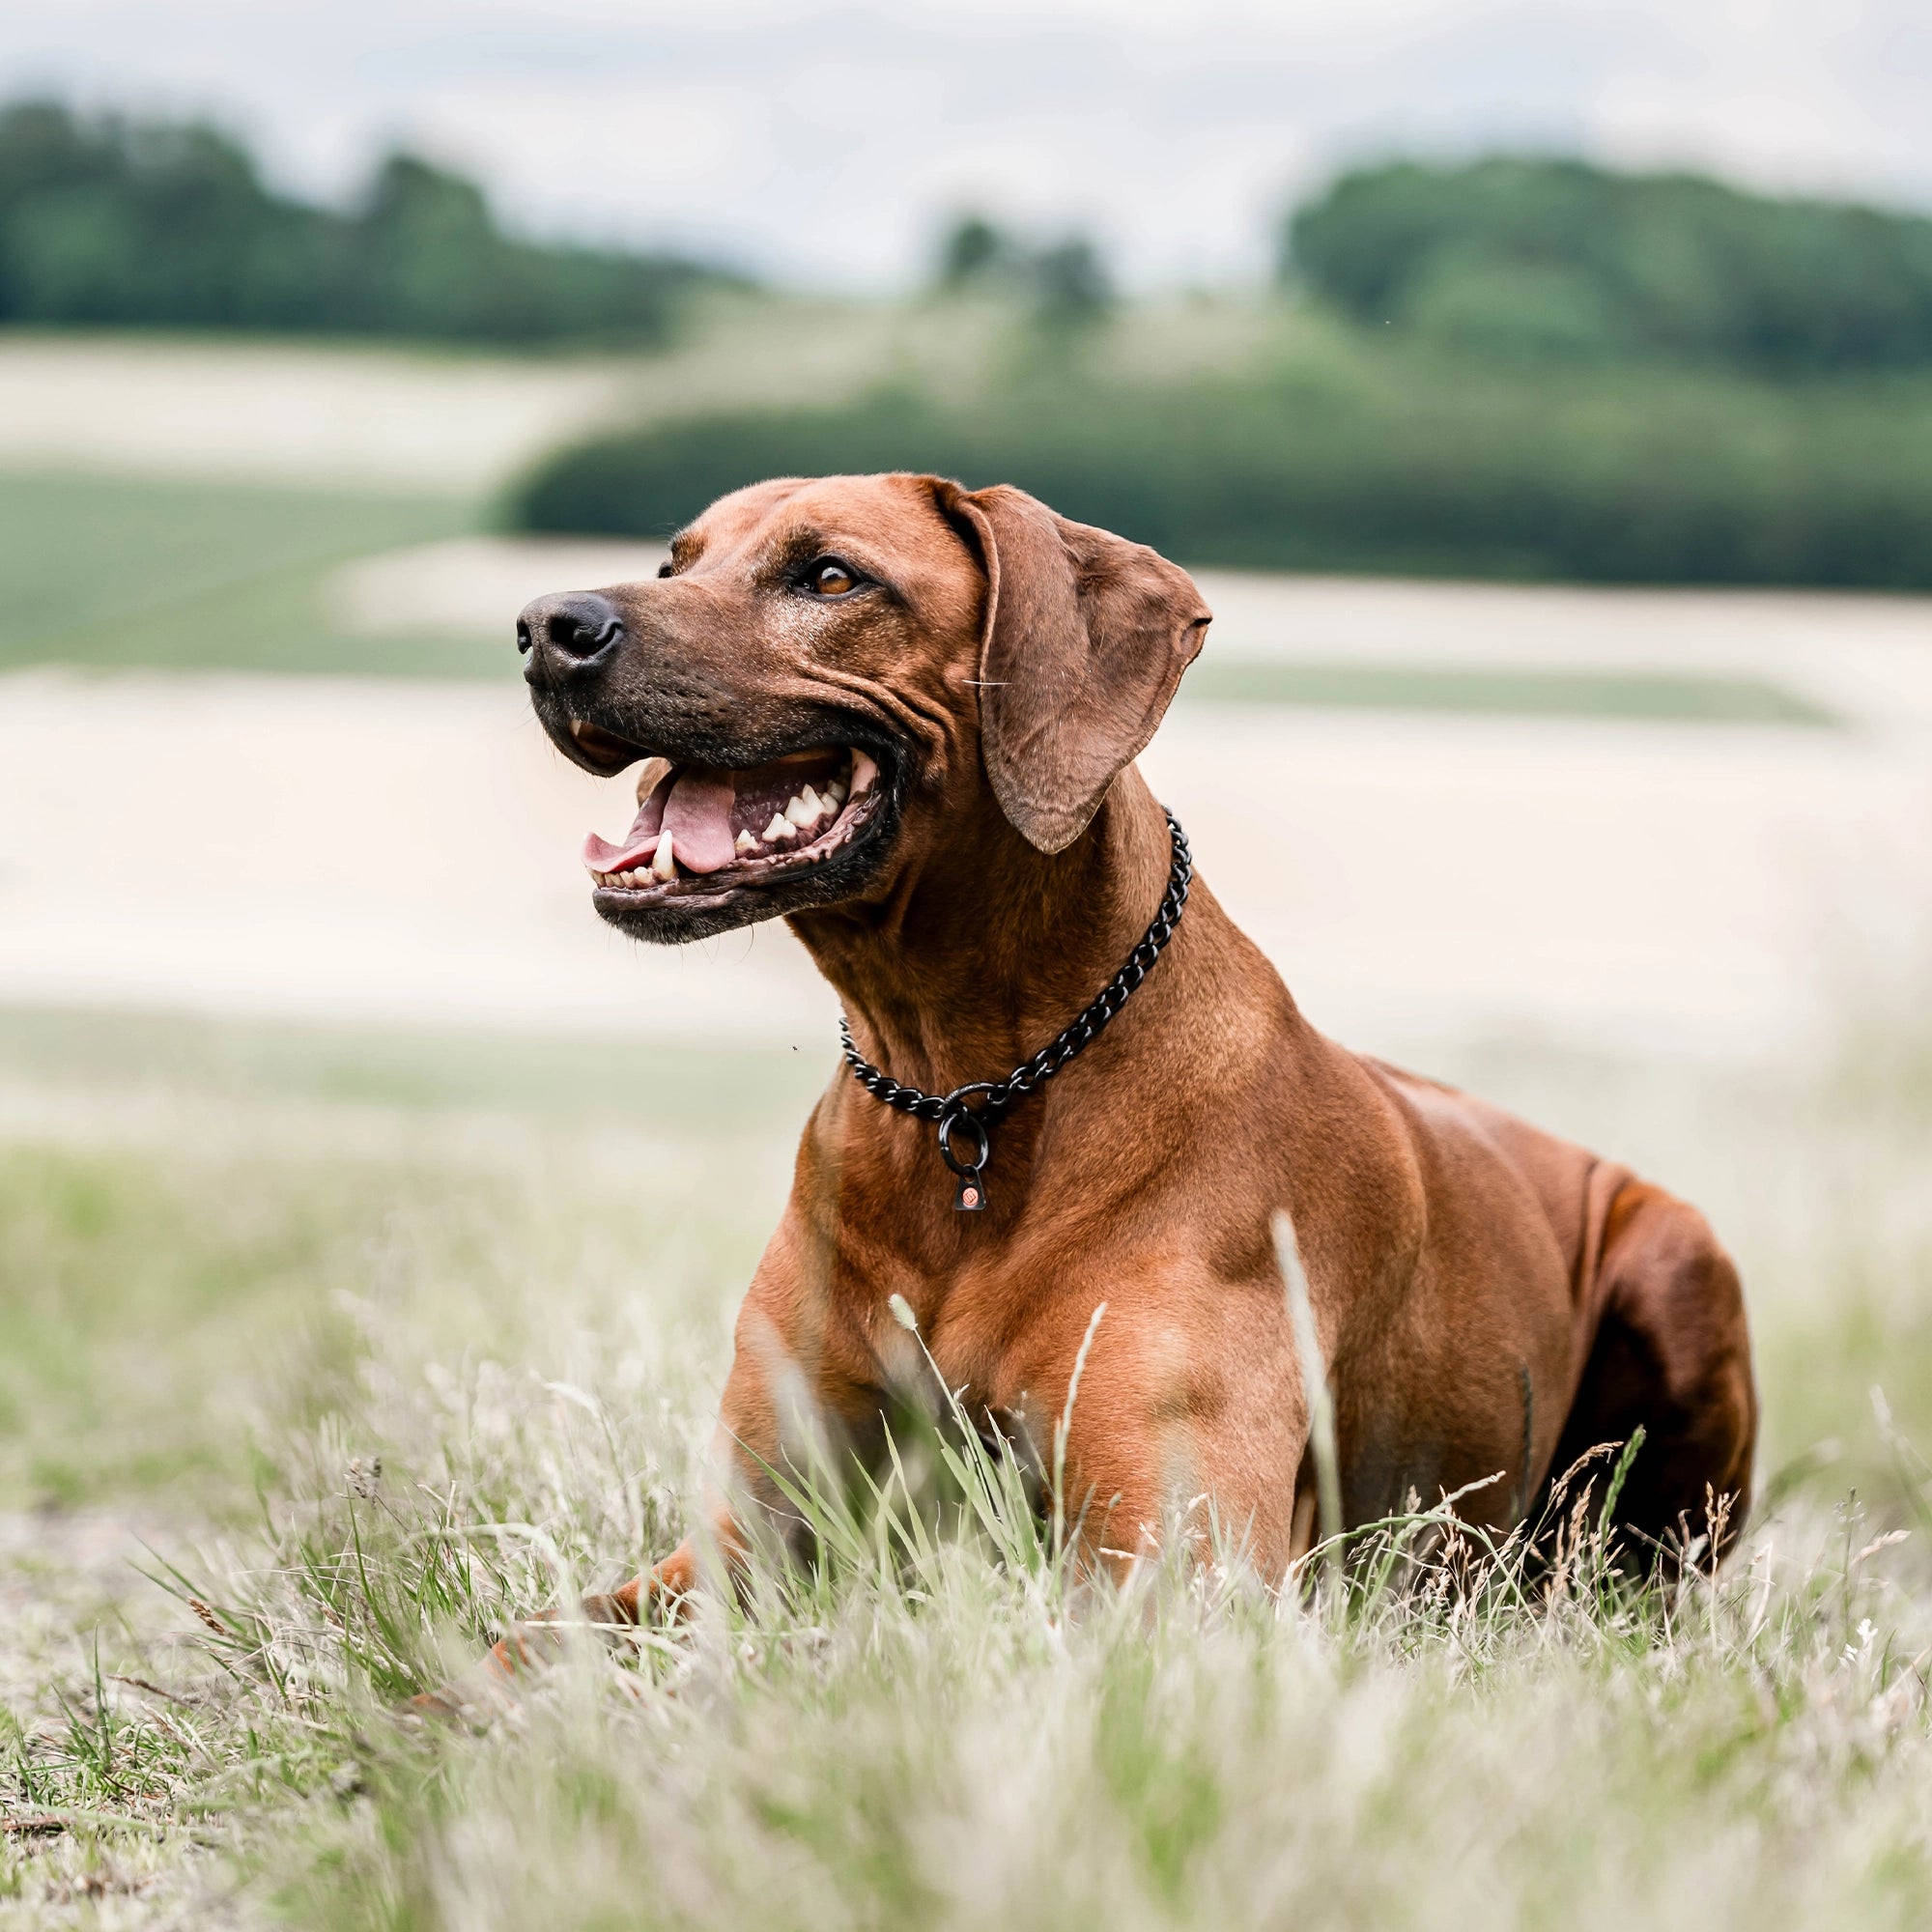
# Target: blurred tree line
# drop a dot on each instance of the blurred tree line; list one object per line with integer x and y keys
{"x": 1559, "y": 260}
{"x": 1062, "y": 282}
{"x": 109, "y": 221}
{"x": 1514, "y": 368}
{"x": 1347, "y": 457}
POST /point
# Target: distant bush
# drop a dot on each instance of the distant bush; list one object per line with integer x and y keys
{"x": 1538, "y": 258}
{"x": 1391, "y": 464}
{"x": 114, "y": 222}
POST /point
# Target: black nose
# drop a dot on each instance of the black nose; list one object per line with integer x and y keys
{"x": 578, "y": 629}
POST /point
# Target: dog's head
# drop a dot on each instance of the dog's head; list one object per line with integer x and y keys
{"x": 830, "y": 679}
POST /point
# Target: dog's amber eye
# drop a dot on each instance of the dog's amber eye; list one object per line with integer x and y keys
{"x": 830, "y": 578}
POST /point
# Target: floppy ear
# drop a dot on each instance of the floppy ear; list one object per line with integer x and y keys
{"x": 1085, "y": 638}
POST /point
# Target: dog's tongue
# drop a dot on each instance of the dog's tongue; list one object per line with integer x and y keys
{"x": 639, "y": 842}
{"x": 696, "y": 812}
{"x": 697, "y": 817}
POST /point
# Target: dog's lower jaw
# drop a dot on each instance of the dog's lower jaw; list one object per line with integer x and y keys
{"x": 687, "y": 911}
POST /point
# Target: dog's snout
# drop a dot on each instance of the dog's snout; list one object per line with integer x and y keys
{"x": 575, "y": 632}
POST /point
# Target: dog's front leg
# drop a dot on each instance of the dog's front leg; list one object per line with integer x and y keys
{"x": 1187, "y": 1423}
{"x": 664, "y": 1590}
{"x": 748, "y": 1447}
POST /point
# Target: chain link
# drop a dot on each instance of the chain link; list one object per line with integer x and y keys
{"x": 1000, "y": 1095}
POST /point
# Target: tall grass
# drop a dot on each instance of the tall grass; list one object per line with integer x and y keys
{"x": 480, "y": 1382}
{"x": 917, "y": 1726}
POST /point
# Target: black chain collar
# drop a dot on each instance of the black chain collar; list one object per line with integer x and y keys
{"x": 981, "y": 1105}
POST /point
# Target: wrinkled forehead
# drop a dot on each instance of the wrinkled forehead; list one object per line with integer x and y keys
{"x": 891, "y": 524}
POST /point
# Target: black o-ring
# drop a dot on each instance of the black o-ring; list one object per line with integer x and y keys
{"x": 958, "y": 1117}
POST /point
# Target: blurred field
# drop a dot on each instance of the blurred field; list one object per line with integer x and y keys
{"x": 1608, "y": 816}
{"x": 439, "y": 422}
{"x": 371, "y": 1221}
{"x": 107, "y": 571}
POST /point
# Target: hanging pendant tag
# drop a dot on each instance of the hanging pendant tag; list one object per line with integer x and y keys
{"x": 970, "y": 1197}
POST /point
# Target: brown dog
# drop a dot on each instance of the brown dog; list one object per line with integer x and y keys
{"x": 903, "y": 715}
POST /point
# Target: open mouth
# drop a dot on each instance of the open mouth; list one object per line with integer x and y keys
{"x": 708, "y": 828}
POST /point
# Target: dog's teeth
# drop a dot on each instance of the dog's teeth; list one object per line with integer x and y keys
{"x": 864, "y": 772}
{"x": 746, "y": 842}
{"x": 799, "y": 813}
{"x": 778, "y": 828}
{"x": 640, "y": 877}
{"x": 664, "y": 864}
{"x": 834, "y": 793}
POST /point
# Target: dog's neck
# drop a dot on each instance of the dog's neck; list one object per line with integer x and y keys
{"x": 971, "y": 966}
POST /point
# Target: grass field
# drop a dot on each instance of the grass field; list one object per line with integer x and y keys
{"x": 112, "y": 572}
{"x": 323, "y": 1352}
{"x": 374, "y": 1341}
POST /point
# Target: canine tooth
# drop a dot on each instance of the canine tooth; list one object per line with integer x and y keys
{"x": 746, "y": 842}
{"x": 664, "y": 864}
{"x": 781, "y": 827}
{"x": 864, "y": 772}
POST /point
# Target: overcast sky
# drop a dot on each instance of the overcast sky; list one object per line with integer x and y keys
{"x": 825, "y": 143}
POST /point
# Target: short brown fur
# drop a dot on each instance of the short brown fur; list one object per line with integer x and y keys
{"x": 1490, "y": 1301}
